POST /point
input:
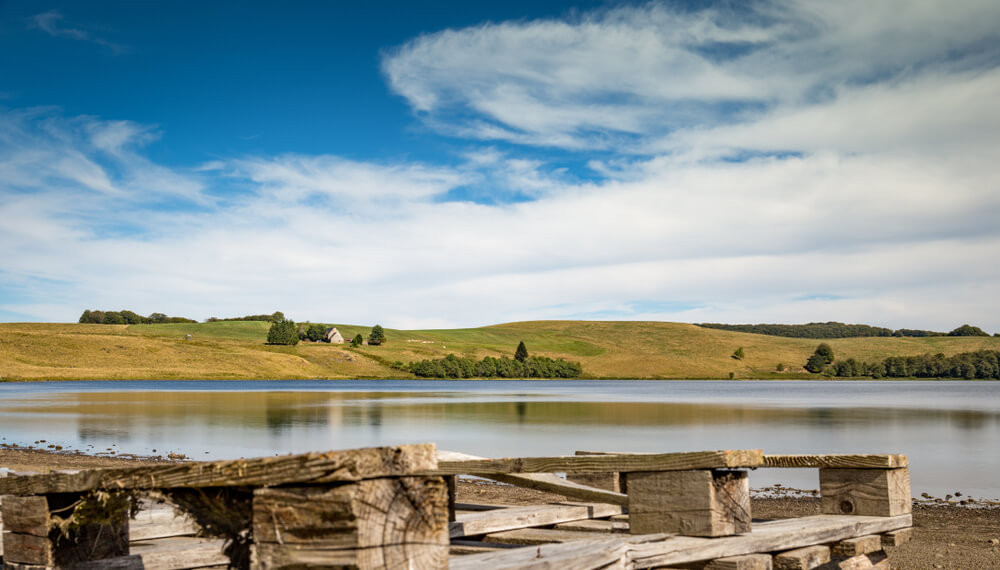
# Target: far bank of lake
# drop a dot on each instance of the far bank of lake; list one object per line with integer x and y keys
{"x": 949, "y": 429}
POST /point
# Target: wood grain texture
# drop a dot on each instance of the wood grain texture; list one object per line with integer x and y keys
{"x": 871, "y": 561}
{"x": 27, "y": 549}
{"x": 308, "y": 468}
{"x": 376, "y": 523}
{"x": 485, "y": 522}
{"x": 837, "y": 461}
{"x": 746, "y": 562}
{"x": 855, "y": 546}
{"x": 25, "y": 515}
{"x": 165, "y": 554}
{"x": 609, "y": 526}
{"x": 690, "y": 503}
{"x": 897, "y": 537}
{"x": 875, "y": 492}
{"x": 608, "y": 553}
{"x": 805, "y": 558}
{"x": 528, "y": 536}
{"x": 631, "y": 462}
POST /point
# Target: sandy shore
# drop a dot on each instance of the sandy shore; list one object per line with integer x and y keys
{"x": 946, "y": 534}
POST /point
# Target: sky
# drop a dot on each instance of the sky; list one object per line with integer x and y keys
{"x": 457, "y": 164}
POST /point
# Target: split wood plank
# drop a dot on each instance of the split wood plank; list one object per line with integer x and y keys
{"x": 595, "y": 526}
{"x": 871, "y": 561}
{"x": 26, "y": 515}
{"x": 746, "y": 562}
{"x": 611, "y": 481}
{"x": 651, "y": 551}
{"x": 875, "y": 492}
{"x": 461, "y": 547}
{"x": 532, "y": 536}
{"x": 837, "y": 461}
{"x": 897, "y": 537}
{"x": 856, "y": 546}
{"x": 165, "y": 554}
{"x": 548, "y": 482}
{"x": 531, "y": 516}
{"x": 631, "y": 462}
{"x": 160, "y": 521}
{"x": 307, "y": 468}
{"x": 805, "y": 558}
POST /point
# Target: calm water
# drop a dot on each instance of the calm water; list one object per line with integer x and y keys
{"x": 949, "y": 430}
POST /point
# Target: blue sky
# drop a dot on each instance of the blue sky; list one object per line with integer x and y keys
{"x": 459, "y": 164}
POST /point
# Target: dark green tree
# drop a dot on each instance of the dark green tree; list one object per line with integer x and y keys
{"x": 315, "y": 332}
{"x": 825, "y": 351}
{"x": 738, "y": 354}
{"x": 377, "y": 336}
{"x": 283, "y": 332}
{"x": 816, "y": 363}
{"x": 521, "y": 354}
{"x": 277, "y": 317}
{"x": 358, "y": 340}
{"x": 968, "y": 330}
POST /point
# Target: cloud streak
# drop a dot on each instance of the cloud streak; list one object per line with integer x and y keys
{"x": 51, "y": 23}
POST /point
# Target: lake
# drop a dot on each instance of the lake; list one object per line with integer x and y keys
{"x": 949, "y": 429}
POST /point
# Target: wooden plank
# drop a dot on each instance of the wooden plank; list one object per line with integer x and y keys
{"x": 772, "y": 536}
{"x": 27, "y": 549}
{"x": 165, "y": 554}
{"x": 746, "y": 562}
{"x": 308, "y": 468}
{"x": 837, "y": 461}
{"x": 461, "y": 547}
{"x": 897, "y": 537}
{"x": 25, "y": 515}
{"x": 595, "y": 526}
{"x": 691, "y": 503}
{"x": 875, "y": 492}
{"x": 608, "y": 553}
{"x": 874, "y": 560}
{"x": 805, "y": 558}
{"x": 610, "y": 481}
{"x": 633, "y": 462}
{"x": 524, "y": 517}
{"x": 530, "y": 536}
{"x": 160, "y": 521}
{"x": 376, "y": 523}
{"x": 855, "y": 546}
{"x": 548, "y": 482}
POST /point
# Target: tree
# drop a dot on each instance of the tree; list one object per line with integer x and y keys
{"x": 521, "y": 354}
{"x": 377, "y": 336}
{"x": 816, "y": 363}
{"x": 825, "y": 351}
{"x": 968, "y": 330}
{"x": 357, "y": 340}
{"x": 283, "y": 332}
{"x": 316, "y": 332}
{"x": 739, "y": 354}
{"x": 277, "y": 317}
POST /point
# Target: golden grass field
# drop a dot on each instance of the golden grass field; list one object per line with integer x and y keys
{"x": 236, "y": 350}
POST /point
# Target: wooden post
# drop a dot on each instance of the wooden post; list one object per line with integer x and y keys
{"x": 873, "y": 492}
{"x": 802, "y": 559}
{"x": 608, "y": 480}
{"x": 746, "y": 562}
{"x": 397, "y": 522}
{"x": 31, "y": 536}
{"x": 691, "y": 503}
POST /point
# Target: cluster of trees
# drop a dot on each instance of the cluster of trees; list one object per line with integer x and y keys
{"x": 128, "y": 318}
{"x": 521, "y": 366}
{"x": 272, "y": 318}
{"x": 981, "y": 364}
{"x": 839, "y": 330}
{"x": 284, "y": 332}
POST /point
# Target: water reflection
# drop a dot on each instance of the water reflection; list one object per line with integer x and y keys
{"x": 942, "y": 426}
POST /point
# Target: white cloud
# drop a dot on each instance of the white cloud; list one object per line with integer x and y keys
{"x": 855, "y": 180}
{"x": 51, "y": 23}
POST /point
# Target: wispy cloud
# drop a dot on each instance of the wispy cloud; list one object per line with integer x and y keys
{"x": 52, "y": 23}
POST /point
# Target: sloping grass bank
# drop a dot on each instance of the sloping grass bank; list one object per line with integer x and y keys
{"x": 236, "y": 350}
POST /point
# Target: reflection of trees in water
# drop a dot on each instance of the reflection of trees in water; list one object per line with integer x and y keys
{"x": 281, "y": 415}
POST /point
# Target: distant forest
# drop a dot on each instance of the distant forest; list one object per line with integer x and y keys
{"x": 838, "y": 330}
{"x": 982, "y": 364}
{"x": 128, "y": 318}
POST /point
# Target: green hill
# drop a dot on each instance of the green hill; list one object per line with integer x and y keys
{"x": 236, "y": 350}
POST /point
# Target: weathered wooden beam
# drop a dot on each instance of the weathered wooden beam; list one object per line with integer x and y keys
{"x": 532, "y": 536}
{"x": 603, "y": 463}
{"x": 308, "y": 468}
{"x": 897, "y": 537}
{"x": 595, "y": 526}
{"x": 165, "y": 554}
{"x": 772, "y": 536}
{"x": 855, "y": 546}
{"x": 524, "y": 517}
{"x": 876, "y": 492}
{"x": 548, "y": 482}
{"x": 871, "y": 561}
{"x": 805, "y": 558}
{"x": 745, "y": 562}
{"x": 837, "y": 461}
{"x": 375, "y": 523}
{"x": 690, "y": 503}
{"x": 160, "y": 521}
{"x": 607, "y": 553}
{"x": 610, "y": 481}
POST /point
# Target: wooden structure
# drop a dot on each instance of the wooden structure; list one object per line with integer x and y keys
{"x": 394, "y": 507}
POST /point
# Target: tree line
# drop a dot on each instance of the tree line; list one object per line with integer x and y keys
{"x": 128, "y": 318}
{"x": 521, "y": 366}
{"x": 977, "y": 365}
{"x": 834, "y": 329}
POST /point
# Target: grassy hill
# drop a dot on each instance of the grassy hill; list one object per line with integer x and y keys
{"x": 236, "y": 350}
